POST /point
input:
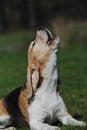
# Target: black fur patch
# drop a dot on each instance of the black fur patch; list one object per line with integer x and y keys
{"x": 11, "y": 104}
{"x": 59, "y": 83}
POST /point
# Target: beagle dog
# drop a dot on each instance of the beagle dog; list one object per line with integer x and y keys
{"x": 38, "y": 103}
{"x": 47, "y": 105}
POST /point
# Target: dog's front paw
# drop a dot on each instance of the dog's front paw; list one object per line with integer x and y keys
{"x": 48, "y": 127}
{"x": 10, "y": 128}
{"x": 56, "y": 128}
{"x": 69, "y": 120}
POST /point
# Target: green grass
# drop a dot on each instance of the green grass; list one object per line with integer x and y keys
{"x": 73, "y": 71}
{"x": 12, "y": 71}
{"x": 15, "y": 38}
{"x": 72, "y": 63}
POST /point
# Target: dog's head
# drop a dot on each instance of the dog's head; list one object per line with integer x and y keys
{"x": 43, "y": 46}
{"x": 38, "y": 55}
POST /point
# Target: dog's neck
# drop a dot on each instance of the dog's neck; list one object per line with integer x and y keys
{"x": 50, "y": 76}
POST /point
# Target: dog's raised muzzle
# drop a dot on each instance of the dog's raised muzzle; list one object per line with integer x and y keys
{"x": 41, "y": 28}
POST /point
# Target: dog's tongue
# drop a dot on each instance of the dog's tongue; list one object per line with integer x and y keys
{"x": 51, "y": 40}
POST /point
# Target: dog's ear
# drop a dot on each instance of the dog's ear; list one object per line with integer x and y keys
{"x": 32, "y": 79}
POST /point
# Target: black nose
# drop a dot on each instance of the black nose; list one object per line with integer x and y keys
{"x": 40, "y": 28}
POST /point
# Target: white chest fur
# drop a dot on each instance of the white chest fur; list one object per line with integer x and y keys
{"x": 46, "y": 94}
{"x": 46, "y": 98}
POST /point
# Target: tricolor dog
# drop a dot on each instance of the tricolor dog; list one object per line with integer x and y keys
{"x": 38, "y": 103}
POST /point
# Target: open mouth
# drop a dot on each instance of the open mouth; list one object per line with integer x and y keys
{"x": 51, "y": 37}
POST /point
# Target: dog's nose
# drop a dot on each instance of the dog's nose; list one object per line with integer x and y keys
{"x": 40, "y": 28}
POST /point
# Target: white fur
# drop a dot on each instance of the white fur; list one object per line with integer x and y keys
{"x": 48, "y": 104}
{"x": 4, "y": 120}
{"x": 9, "y": 128}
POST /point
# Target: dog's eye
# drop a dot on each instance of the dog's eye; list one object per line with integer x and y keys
{"x": 33, "y": 44}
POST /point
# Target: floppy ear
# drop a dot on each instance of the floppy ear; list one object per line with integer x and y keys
{"x": 32, "y": 79}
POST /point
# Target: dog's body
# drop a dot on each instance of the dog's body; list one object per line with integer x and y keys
{"x": 13, "y": 109}
{"x": 46, "y": 105}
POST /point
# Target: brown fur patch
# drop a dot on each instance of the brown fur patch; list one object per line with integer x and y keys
{"x": 37, "y": 60}
{"x": 23, "y": 105}
{"x": 67, "y": 114}
{"x": 3, "y": 111}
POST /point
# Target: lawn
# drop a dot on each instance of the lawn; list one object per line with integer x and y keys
{"x": 72, "y": 62}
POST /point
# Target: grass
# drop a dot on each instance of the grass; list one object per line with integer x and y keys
{"x": 15, "y": 38}
{"x": 12, "y": 71}
{"x": 73, "y": 70}
{"x": 72, "y": 61}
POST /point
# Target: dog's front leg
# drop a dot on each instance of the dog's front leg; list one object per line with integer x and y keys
{"x": 9, "y": 128}
{"x": 42, "y": 126}
{"x": 64, "y": 116}
{"x": 37, "y": 117}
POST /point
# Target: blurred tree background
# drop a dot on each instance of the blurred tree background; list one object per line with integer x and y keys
{"x": 25, "y": 14}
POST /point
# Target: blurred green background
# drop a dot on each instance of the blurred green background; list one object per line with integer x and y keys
{"x": 19, "y": 20}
